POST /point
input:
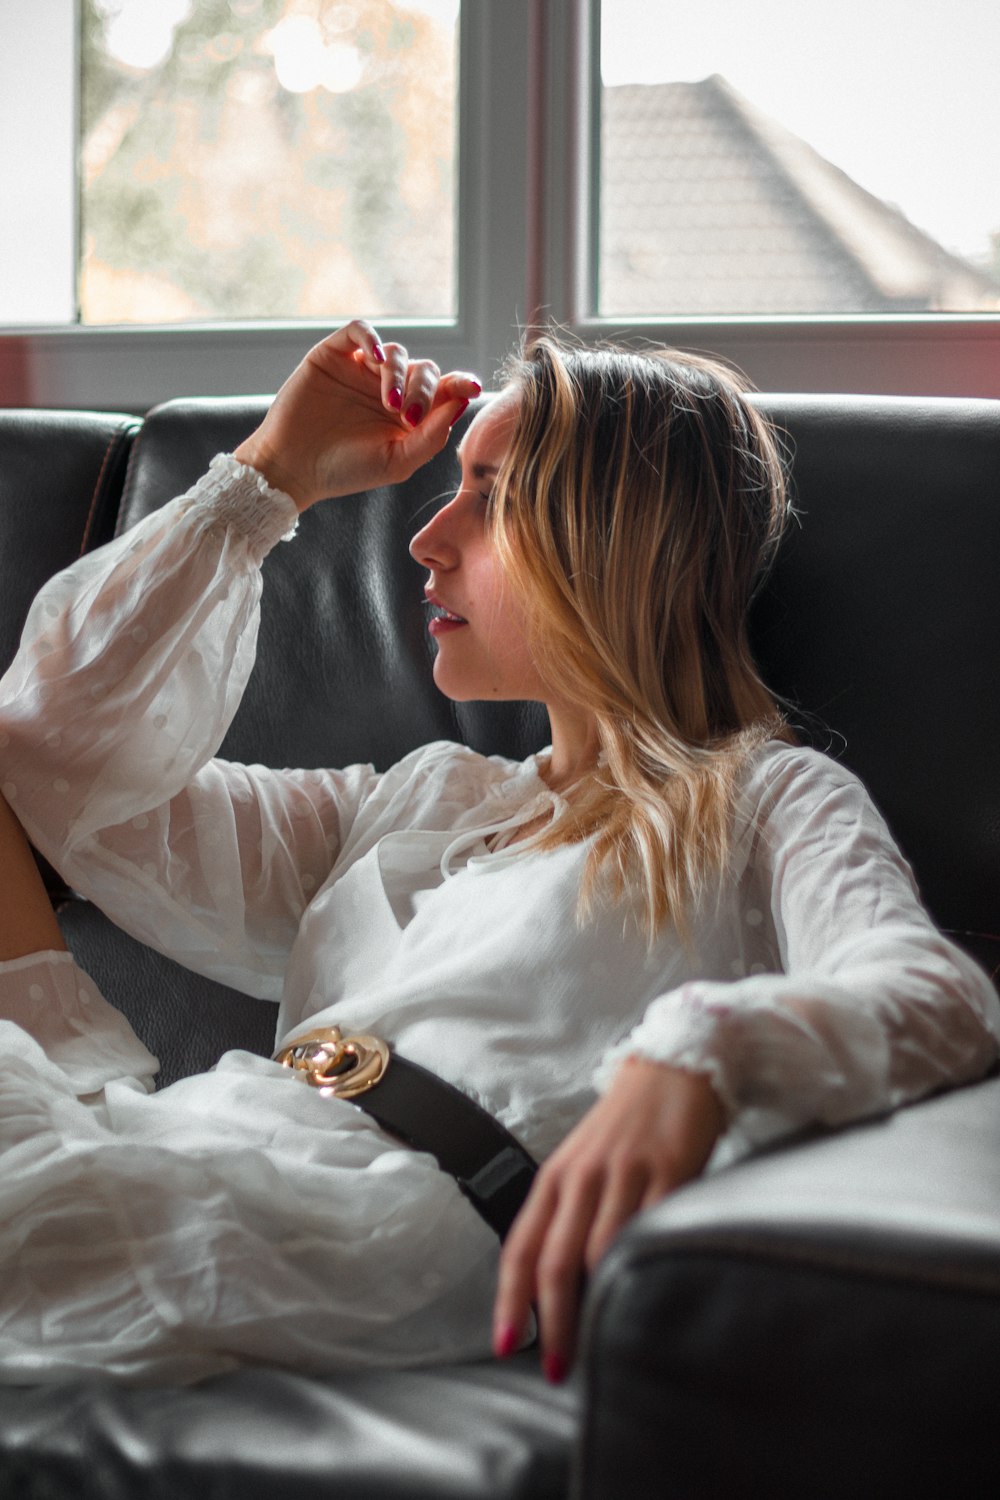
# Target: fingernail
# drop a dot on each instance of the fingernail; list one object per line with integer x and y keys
{"x": 554, "y": 1369}
{"x": 460, "y": 413}
{"x": 395, "y": 398}
{"x": 479, "y": 389}
{"x": 379, "y": 354}
{"x": 414, "y": 414}
{"x": 505, "y": 1341}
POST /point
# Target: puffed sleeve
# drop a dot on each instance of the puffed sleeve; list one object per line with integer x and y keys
{"x": 870, "y": 1007}
{"x": 132, "y": 664}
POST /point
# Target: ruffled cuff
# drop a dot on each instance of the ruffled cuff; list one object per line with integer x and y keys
{"x": 683, "y": 1031}
{"x": 782, "y": 1052}
{"x": 60, "y": 1007}
{"x": 236, "y": 496}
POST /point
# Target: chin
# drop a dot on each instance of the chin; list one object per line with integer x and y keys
{"x": 463, "y": 691}
{"x": 457, "y": 690}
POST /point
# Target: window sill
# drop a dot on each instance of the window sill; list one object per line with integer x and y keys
{"x": 134, "y": 367}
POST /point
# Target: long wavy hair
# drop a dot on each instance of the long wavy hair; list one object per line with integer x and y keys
{"x": 635, "y": 514}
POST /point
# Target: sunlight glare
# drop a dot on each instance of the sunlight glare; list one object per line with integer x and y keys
{"x": 140, "y": 33}
{"x": 304, "y": 61}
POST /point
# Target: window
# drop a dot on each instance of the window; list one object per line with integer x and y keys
{"x": 267, "y": 159}
{"x": 753, "y": 164}
{"x": 503, "y": 197}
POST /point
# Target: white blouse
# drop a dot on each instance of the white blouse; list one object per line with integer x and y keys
{"x": 815, "y": 987}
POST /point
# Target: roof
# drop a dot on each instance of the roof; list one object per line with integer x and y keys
{"x": 708, "y": 206}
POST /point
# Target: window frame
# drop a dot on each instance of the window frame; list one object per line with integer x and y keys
{"x": 527, "y": 233}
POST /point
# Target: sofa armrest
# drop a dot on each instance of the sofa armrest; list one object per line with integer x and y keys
{"x": 823, "y": 1320}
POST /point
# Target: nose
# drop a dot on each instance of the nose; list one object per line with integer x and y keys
{"x": 436, "y": 545}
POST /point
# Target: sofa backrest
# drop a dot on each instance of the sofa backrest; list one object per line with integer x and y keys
{"x": 61, "y": 477}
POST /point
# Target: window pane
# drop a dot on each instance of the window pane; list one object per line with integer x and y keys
{"x": 782, "y": 158}
{"x": 268, "y": 159}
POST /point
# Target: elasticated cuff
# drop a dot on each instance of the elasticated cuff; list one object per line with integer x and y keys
{"x": 237, "y": 496}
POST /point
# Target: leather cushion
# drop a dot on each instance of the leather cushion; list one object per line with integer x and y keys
{"x": 463, "y": 1433}
{"x": 833, "y": 1310}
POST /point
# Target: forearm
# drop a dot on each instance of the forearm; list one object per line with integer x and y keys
{"x": 903, "y": 1014}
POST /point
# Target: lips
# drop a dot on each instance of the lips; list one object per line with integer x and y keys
{"x": 441, "y": 613}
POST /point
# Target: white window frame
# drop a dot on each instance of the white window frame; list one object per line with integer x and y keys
{"x": 527, "y": 240}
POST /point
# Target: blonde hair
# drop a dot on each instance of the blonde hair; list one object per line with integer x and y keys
{"x": 636, "y": 511}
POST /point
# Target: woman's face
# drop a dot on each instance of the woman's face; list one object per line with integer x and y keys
{"x": 478, "y": 626}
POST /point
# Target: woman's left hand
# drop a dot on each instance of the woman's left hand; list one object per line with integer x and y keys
{"x": 653, "y": 1130}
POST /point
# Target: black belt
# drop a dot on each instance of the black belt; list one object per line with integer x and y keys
{"x": 490, "y": 1166}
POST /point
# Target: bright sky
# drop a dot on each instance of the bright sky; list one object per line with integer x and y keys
{"x": 902, "y": 94}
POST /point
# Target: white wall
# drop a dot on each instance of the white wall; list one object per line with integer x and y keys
{"x": 37, "y": 146}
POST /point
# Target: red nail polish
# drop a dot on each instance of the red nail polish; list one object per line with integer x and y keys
{"x": 414, "y": 414}
{"x": 554, "y": 1369}
{"x": 460, "y": 413}
{"x": 379, "y": 353}
{"x": 506, "y": 1341}
{"x": 395, "y": 398}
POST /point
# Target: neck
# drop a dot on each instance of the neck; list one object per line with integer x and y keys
{"x": 575, "y": 747}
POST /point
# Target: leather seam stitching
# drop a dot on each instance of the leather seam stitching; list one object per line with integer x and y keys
{"x": 119, "y": 519}
{"x": 111, "y": 448}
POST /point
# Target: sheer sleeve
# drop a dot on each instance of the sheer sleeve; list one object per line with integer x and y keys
{"x": 872, "y": 1006}
{"x": 132, "y": 664}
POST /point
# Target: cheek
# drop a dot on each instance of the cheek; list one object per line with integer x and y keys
{"x": 509, "y": 646}
{"x": 503, "y": 616}
{"x": 502, "y": 629}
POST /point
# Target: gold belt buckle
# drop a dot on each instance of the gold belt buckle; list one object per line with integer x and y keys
{"x": 339, "y": 1066}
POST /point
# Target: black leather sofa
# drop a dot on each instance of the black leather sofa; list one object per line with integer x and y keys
{"x": 822, "y": 1321}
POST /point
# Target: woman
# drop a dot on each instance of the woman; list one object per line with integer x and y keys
{"x": 671, "y": 937}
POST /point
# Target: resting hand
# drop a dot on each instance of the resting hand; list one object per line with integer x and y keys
{"x": 355, "y": 414}
{"x": 653, "y": 1130}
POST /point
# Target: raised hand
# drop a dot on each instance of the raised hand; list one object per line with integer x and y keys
{"x": 653, "y": 1130}
{"x": 355, "y": 414}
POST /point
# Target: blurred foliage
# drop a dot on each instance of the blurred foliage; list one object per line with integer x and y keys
{"x": 210, "y": 191}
